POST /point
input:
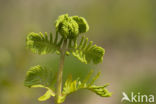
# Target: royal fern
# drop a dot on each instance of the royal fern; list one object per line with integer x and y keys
{"x": 64, "y": 43}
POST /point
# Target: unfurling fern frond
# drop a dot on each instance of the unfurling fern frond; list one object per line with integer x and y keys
{"x": 86, "y": 51}
{"x": 83, "y": 25}
{"x": 69, "y": 28}
{"x": 71, "y": 86}
{"x": 40, "y": 44}
{"x": 41, "y": 77}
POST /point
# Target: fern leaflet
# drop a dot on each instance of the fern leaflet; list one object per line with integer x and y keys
{"x": 86, "y": 52}
{"x": 40, "y": 44}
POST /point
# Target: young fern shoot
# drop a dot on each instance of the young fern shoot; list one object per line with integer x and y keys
{"x": 68, "y": 28}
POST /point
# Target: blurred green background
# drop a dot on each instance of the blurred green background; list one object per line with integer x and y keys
{"x": 125, "y": 28}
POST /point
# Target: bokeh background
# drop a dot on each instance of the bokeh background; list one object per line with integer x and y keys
{"x": 125, "y": 28}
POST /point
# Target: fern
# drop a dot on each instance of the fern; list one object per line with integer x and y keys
{"x": 68, "y": 29}
{"x": 71, "y": 27}
{"x": 73, "y": 86}
{"x": 41, "y": 44}
{"x": 87, "y": 52}
{"x": 39, "y": 76}
{"x": 83, "y": 25}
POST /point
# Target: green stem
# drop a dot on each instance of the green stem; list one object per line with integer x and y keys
{"x": 60, "y": 72}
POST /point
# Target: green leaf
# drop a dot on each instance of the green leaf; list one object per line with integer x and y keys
{"x": 46, "y": 96}
{"x": 100, "y": 90}
{"x": 67, "y": 27}
{"x": 40, "y": 44}
{"x": 71, "y": 26}
{"x": 48, "y": 89}
{"x": 71, "y": 86}
{"x": 83, "y": 25}
{"x": 86, "y": 52}
{"x": 40, "y": 77}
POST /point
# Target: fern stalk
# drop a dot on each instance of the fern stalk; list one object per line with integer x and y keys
{"x": 60, "y": 72}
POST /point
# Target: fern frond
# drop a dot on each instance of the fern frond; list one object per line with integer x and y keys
{"x": 41, "y": 44}
{"x": 71, "y": 86}
{"x": 100, "y": 90}
{"x": 86, "y": 52}
{"x": 67, "y": 27}
{"x": 40, "y": 77}
{"x": 70, "y": 27}
{"x": 83, "y": 25}
{"x": 47, "y": 95}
